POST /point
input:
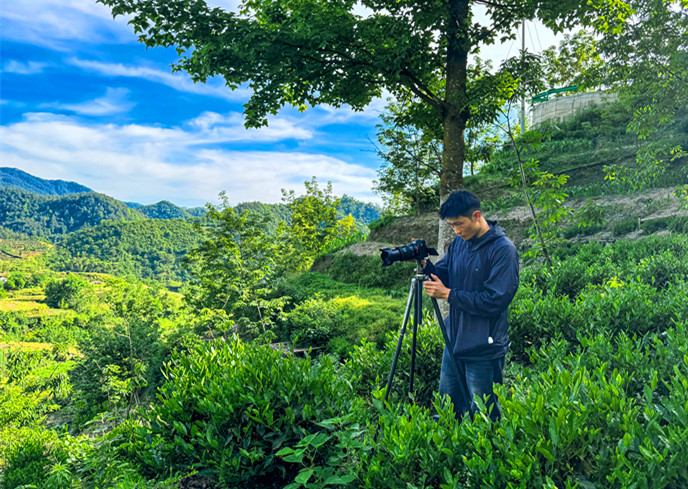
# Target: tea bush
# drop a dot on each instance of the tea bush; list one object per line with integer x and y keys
{"x": 574, "y": 420}
{"x": 625, "y": 226}
{"x": 28, "y": 457}
{"x": 228, "y": 408}
{"x": 313, "y": 322}
{"x": 368, "y": 367}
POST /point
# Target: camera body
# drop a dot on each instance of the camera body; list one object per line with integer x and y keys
{"x": 415, "y": 250}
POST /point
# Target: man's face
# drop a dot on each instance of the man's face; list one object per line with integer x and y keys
{"x": 466, "y": 227}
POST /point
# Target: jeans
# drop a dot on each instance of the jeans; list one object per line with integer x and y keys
{"x": 467, "y": 379}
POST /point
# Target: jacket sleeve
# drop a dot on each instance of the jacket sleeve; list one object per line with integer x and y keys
{"x": 495, "y": 295}
{"x": 441, "y": 268}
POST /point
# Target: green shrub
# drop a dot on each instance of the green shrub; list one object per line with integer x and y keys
{"x": 625, "y": 226}
{"x": 312, "y": 322}
{"x": 575, "y": 419}
{"x": 229, "y": 408}
{"x": 69, "y": 293}
{"x": 368, "y": 367}
{"x": 653, "y": 225}
{"x": 381, "y": 221}
{"x": 367, "y": 271}
{"x": 28, "y": 458}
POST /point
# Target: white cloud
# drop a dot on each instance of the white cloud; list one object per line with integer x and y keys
{"x": 53, "y": 23}
{"x": 23, "y": 67}
{"x": 178, "y": 81}
{"x": 147, "y": 163}
{"x": 114, "y": 101}
{"x": 214, "y": 127}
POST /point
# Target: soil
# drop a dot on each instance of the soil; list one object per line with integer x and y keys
{"x": 651, "y": 204}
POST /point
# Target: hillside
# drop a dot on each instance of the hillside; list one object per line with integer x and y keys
{"x": 13, "y": 177}
{"x": 39, "y": 215}
{"x": 163, "y": 210}
{"x": 149, "y": 249}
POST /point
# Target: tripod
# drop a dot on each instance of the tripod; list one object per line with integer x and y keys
{"x": 416, "y": 297}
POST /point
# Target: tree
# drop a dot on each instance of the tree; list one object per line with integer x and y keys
{"x": 576, "y": 61}
{"x": 72, "y": 292}
{"x": 313, "y": 226}
{"x": 309, "y": 52}
{"x": 411, "y": 162}
{"x": 232, "y": 267}
{"x": 647, "y": 64}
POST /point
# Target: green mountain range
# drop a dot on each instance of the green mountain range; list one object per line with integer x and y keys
{"x": 13, "y": 177}
{"x": 37, "y": 207}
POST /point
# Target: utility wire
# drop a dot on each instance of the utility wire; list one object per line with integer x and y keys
{"x": 531, "y": 39}
{"x": 538, "y": 36}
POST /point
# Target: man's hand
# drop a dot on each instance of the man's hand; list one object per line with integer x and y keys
{"x": 436, "y": 288}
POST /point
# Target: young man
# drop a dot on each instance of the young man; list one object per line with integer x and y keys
{"x": 478, "y": 275}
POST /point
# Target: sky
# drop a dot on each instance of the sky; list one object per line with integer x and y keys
{"x": 81, "y": 100}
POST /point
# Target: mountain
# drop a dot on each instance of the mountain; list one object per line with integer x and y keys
{"x": 12, "y": 177}
{"x": 164, "y": 210}
{"x": 33, "y": 214}
{"x": 361, "y": 211}
{"x": 147, "y": 248}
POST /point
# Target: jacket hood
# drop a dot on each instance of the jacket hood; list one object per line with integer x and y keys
{"x": 495, "y": 231}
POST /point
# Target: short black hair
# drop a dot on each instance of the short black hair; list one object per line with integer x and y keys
{"x": 460, "y": 203}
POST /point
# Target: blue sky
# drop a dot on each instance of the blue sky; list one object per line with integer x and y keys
{"x": 82, "y": 100}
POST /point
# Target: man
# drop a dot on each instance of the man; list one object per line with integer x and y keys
{"x": 478, "y": 275}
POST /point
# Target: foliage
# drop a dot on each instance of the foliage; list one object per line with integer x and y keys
{"x": 38, "y": 215}
{"x": 576, "y": 61}
{"x": 610, "y": 436}
{"x": 364, "y": 213}
{"x": 140, "y": 249}
{"x": 276, "y": 213}
{"x": 71, "y": 292}
{"x": 269, "y": 403}
{"x": 163, "y": 210}
{"x": 232, "y": 266}
{"x": 313, "y": 226}
{"x": 646, "y": 62}
{"x": 350, "y": 313}
{"x": 28, "y": 459}
{"x": 325, "y": 53}
{"x": 121, "y": 360}
{"x": 411, "y": 163}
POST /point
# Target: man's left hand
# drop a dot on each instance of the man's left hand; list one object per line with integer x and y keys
{"x": 436, "y": 288}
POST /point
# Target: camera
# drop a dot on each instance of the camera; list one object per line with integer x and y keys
{"x": 415, "y": 250}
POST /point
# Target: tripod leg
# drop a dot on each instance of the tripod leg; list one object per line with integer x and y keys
{"x": 402, "y": 331}
{"x": 417, "y": 315}
{"x": 438, "y": 315}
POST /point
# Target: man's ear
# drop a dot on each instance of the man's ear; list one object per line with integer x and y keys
{"x": 477, "y": 215}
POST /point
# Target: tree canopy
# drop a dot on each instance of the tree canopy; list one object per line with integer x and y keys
{"x": 309, "y": 52}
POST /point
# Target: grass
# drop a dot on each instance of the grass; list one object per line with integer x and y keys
{"x": 28, "y": 345}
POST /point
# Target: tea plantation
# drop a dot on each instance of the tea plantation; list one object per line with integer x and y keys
{"x": 124, "y": 389}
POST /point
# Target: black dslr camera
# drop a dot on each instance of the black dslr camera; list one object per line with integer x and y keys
{"x": 416, "y": 250}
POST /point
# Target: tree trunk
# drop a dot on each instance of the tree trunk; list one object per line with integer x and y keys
{"x": 455, "y": 114}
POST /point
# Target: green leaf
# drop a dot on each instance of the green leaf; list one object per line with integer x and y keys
{"x": 304, "y": 475}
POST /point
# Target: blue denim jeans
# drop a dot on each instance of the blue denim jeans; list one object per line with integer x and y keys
{"x": 468, "y": 379}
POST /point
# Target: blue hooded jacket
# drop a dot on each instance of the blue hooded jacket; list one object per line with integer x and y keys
{"x": 482, "y": 274}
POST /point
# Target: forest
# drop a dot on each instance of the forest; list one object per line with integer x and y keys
{"x": 249, "y": 346}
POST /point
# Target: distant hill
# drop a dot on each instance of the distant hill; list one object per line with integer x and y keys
{"x": 27, "y": 212}
{"x": 38, "y": 207}
{"x": 167, "y": 210}
{"x": 145, "y": 248}
{"x": 361, "y": 211}
{"x": 12, "y": 177}
{"x": 164, "y": 210}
